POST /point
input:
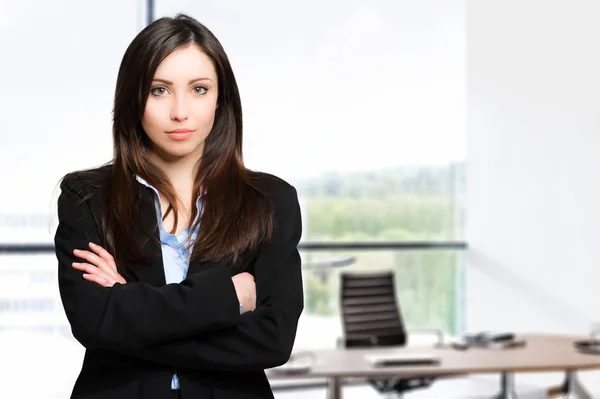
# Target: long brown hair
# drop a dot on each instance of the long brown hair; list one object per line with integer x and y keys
{"x": 236, "y": 216}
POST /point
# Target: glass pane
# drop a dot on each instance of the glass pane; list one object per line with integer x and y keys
{"x": 428, "y": 284}
{"x": 360, "y": 104}
{"x": 60, "y": 63}
{"x": 33, "y": 322}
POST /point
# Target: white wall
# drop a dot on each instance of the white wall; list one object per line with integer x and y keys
{"x": 533, "y": 146}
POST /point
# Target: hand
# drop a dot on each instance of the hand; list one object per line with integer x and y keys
{"x": 101, "y": 268}
{"x": 245, "y": 288}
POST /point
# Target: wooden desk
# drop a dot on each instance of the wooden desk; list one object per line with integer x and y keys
{"x": 542, "y": 353}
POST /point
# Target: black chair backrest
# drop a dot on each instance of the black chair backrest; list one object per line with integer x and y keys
{"x": 370, "y": 313}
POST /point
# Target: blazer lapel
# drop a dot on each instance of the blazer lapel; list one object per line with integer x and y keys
{"x": 152, "y": 271}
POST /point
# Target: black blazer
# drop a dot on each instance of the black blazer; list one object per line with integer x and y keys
{"x": 137, "y": 334}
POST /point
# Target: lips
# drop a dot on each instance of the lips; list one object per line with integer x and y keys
{"x": 180, "y": 131}
{"x": 180, "y": 134}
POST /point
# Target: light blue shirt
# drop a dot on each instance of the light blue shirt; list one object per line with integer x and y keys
{"x": 175, "y": 252}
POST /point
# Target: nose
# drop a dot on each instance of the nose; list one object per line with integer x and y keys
{"x": 179, "y": 109}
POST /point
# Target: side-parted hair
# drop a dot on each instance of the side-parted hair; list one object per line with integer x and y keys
{"x": 236, "y": 215}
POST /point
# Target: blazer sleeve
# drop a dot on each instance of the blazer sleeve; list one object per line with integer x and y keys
{"x": 263, "y": 338}
{"x": 135, "y": 314}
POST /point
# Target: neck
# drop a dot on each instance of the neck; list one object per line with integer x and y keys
{"x": 181, "y": 171}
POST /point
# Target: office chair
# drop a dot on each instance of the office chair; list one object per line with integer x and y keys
{"x": 371, "y": 317}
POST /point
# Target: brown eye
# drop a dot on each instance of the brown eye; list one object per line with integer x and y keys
{"x": 158, "y": 91}
{"x": 200, "y": 90}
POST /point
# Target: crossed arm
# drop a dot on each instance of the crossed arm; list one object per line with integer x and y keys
{"x": 176, "y": 324}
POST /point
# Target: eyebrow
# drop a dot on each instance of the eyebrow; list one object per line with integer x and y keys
{"x": 168, "y": 82}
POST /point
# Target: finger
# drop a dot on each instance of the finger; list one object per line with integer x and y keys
{"x": 104, "y": 254}
{"x": 247, "y": 275}
{"x": 89, "y": 256}
{"x": 96, "y": 261}
{"x": 97, "y": 275}
{"x": 91, "y": 270}
{"x": 86, "y": 267}
{"x": 92, "y": 273}
{"x": 98, "y": 279}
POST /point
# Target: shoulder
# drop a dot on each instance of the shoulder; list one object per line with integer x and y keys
{"x": 273, "y": 187}
{"x": 285, "y": 206}
{"x": 86, "y": 181}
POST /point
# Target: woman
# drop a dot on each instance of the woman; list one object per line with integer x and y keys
{"x": 178, "y": 267}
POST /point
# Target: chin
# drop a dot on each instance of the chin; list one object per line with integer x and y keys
{"x": 181, "y": 150}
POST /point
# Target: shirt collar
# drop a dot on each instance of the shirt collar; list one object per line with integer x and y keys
{"x": 145, "y": 183}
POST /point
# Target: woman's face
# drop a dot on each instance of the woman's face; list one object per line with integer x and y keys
{"x": 180, "y": 110}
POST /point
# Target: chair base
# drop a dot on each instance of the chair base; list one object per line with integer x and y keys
{"x": 401, "y": 385}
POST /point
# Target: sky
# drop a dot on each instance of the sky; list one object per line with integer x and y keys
{"x": 325, "y": 85}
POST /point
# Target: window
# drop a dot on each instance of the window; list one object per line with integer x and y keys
{"x": 360, "y": 105}
{"x": 60, "y": 62}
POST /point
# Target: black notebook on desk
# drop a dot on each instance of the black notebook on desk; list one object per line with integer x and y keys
{"x": 402, "y": 359}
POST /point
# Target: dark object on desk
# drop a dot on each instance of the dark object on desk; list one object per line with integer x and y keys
{"x": 298, "y": 363}
{"x": 489, "y": 340}
{"x": 371, "y": 318}
{"x": 589, "y": 347}
{"x": 403, "y": 359}
{"x": 461, "y": 346}
{"x": 515, "y": 343}
{"x": 486, "y": 338}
